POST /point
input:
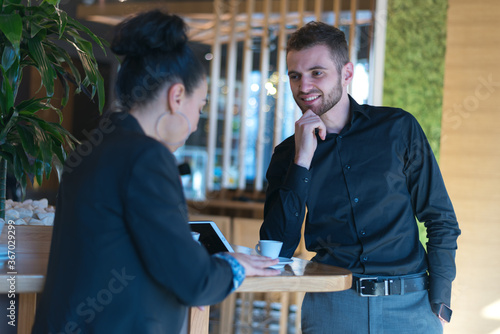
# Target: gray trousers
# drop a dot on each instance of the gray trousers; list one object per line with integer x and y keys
{"x": 345, "y": 312}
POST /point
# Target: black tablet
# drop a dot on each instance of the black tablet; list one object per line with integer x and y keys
{"x": 211, "y": 237}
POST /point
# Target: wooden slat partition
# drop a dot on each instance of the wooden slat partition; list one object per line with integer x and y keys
{"x": 230, "y": 100}
{"x": 470, "y": 160}
{"x": 264, "y": 71}
{"x": 215, "y": 67}
{"x": 247, "y": 69}
{"x": 282, "y": 72}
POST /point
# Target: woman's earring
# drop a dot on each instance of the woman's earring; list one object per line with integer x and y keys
{"x": 166, "y": 142}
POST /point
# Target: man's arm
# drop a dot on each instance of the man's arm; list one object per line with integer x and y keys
{"x": 288, "y": 179}
{"x": 284, "y": 209}
{"x": 432, "y": 205}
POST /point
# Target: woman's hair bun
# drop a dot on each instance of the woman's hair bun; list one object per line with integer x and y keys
{"x": 149, "y": 33}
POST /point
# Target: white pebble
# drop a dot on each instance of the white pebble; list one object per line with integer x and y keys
{"x": 11, "y": 214}
{"x": 20, "y": 221}
{"x": 49, "y": 221}
{"x": 43, "y": 215}
{"x": 24, "y": 212}
{"x": 34, "y": 221}
{"x": 43, "y": 203}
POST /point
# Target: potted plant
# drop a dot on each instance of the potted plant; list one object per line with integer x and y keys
{"x": 31, "y": 36}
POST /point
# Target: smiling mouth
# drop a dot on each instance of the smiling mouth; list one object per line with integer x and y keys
{"x": 311, "y": 98}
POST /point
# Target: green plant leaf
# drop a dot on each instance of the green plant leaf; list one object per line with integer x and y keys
{"x": 35, "y": 27}
{"x": 12, "y": 121}
{"x": 53, "y": 2}
{"x": 27, "y": 138}
{"x": 12, "y": 6}
{"x": 15, "y": 2}
{"x": 8, "y": 57}
{"x": 39, "y": 171}
{"x": 64, "y": 57}
{"x": 31, "y": 106}
{"x": 59, "y": 152}
{"x": 91, "y": 69}
{"x": 63, "y": 20}
{"x": 6, "y": 94}
{"x": 80, "y": 27}
{"x": 47, "y": 73}
{"x": 52, "y": 130}
{"x": 11, "y": 25}
{"x": 21, "y": 169}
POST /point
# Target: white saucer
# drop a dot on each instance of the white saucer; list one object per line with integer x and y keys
{"x": 283, "y": 261}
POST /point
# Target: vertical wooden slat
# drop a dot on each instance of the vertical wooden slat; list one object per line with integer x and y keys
{"x": 214, "y": 95}
{"x": 264, "y": 70}
{"x": 318, "y": 9}
{"x": 27, "y": 309}
{"x": 198, "y": 320}
{"x": 227, "y": 314}
{"x": 247, "y": 70}
{"x": 301, "y": 10}
{"x": 353, "y": 54}
{"x": 231, "y": 88}
{"x": 371, "y": 29}
{"x": 377, "y": 61}
{"x": 352, "y": 29}
{"x": 285, "y": 303}
{"x": 280, "y": 97}
{"x": 336, "y": 9}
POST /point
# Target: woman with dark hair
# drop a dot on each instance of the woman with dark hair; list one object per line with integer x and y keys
{"x": 122, "y": 258}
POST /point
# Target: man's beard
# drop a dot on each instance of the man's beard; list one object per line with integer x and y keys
{"x": 330, "y": 101}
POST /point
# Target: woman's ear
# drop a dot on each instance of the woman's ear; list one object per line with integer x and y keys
{"x": 175, "y": 95}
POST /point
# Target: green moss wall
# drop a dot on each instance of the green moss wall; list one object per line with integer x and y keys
{"x": 414, "y": 61}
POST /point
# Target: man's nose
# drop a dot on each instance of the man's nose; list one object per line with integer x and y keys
{"x": 305, "y": 85}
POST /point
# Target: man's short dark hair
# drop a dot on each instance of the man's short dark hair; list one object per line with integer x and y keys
{"x": 319, "y": 33}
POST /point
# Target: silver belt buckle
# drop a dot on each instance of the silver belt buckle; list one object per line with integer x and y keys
{"x": 361, "y": 287}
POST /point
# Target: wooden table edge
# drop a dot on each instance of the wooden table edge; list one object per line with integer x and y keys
{"x": 318, "y": 283}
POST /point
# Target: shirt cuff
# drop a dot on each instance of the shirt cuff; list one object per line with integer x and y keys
{"x": 297, "y": 179}
{"x": 237, "y": 269}
{"x": 439, "y": 290}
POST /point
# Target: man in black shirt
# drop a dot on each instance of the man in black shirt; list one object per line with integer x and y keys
{"x": 365, "y": 174}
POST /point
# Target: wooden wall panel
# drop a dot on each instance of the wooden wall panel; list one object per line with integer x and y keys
{"x": 470, "y": 160}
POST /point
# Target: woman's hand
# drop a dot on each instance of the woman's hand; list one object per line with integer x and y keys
{"x": 256, "y": 265}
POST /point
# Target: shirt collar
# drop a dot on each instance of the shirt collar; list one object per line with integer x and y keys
{"x": 357, "y": 109}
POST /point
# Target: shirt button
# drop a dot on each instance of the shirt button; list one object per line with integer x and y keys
{"x": 347, "y": 167}
{"x": 340, "y": 136}
{"x": 365, "y": 258}
{"x": 363, "y": 232}
{"x": 296, "y": 214}
{"x": 356, "y": 200}
{"x": 306, "y": 179}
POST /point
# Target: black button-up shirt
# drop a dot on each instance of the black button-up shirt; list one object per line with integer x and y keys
{"x": 365, "y": 187}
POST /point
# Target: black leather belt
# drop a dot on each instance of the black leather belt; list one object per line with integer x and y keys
{"x": 399, "y": 285}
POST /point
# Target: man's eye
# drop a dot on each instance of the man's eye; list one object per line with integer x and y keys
{"x": 316, "y": 73}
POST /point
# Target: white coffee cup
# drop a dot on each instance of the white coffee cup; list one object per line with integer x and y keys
{"x": 269, "y": 248}
{"x": 195, "y": 235}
